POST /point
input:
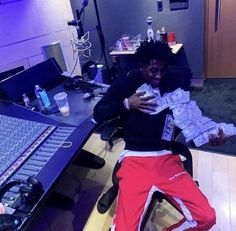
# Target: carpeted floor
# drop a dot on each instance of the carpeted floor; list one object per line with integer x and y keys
{"x": 217, "y": 100}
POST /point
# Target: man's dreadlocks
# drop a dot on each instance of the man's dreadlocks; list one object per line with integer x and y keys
{"x": 152, "y": 49}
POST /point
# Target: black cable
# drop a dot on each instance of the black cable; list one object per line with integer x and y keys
{"x": 76, "y": 62}
{"x": 101, "y": 56}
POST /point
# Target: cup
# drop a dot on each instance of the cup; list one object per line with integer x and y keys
{"x": 118, "y": 45}
{"x": 96, "y": 72}
{"x": 126, "y": 41}
{"x": 171, "y": 39}
{"x": 62, "y": 103}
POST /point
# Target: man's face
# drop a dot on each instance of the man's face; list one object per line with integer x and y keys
{"x": 153, "y": 72}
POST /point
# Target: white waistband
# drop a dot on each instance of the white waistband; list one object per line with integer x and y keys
{"x": 126, "y": 153}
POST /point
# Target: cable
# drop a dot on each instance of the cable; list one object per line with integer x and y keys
{"x": 76, "y": 62}
{"x": 101, "y": 56}
{"x": 106, "y": 150}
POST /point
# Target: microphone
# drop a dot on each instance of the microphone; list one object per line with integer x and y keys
{"x": 84, "y": 3}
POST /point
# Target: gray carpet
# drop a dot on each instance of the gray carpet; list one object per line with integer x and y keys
{"x": 217, "y": 100}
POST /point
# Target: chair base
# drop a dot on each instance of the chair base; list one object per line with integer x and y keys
{"x": 59, "y": 201}
{"x": 107, "y": 199}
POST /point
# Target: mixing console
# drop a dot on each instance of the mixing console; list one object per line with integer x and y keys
{"x": 25, "y": 148}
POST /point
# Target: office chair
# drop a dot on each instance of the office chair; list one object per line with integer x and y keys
{"x": 175, "y": 77}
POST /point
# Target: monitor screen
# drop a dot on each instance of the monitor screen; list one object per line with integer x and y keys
{"x": 8, "y": 73}
{"x": 47, "y": 74}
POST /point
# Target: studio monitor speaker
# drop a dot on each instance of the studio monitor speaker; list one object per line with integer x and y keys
{"x": 54, "y": 50}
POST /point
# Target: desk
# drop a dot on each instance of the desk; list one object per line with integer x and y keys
{"x": 79, "y": 120}
{"x": 80, "y": 109}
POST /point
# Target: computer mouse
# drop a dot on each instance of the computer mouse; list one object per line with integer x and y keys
{"x": 87, "y": 95}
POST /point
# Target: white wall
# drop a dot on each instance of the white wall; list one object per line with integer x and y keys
{"x": 26, "y": 25}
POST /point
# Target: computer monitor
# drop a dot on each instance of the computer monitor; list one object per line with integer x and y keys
{"x": 8, "y": 73}
{"x": 47, "y": 74}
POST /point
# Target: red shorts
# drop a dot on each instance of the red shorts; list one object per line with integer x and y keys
{"x": 139, "y": 177}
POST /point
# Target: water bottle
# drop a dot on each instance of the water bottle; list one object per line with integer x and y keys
{"x": 158, "y": 35}
{"x": 43, "y": 100}
{"x": 26, "y": 101}
{"x": 150, "y": 33}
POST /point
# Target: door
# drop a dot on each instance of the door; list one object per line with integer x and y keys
{"x": 220, "y": 39}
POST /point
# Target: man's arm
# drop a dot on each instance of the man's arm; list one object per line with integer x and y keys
{"x": 111, "y": 104}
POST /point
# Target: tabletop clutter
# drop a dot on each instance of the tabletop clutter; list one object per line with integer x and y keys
{"x": 131, "y": 43}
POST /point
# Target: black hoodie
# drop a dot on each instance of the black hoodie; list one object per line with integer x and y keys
{"x": 142, "y": 132}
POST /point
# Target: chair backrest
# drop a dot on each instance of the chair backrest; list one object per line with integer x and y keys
{"x": 134, "y": 72}
{"x": 176, "y": 77}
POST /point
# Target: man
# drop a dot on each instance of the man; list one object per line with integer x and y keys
{"x": 148, "y": 164}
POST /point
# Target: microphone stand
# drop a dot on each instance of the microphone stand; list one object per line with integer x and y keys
{"x": 102, "y": 39}
{"x": 85, "y": 158}
{"x": 80, "y": 31}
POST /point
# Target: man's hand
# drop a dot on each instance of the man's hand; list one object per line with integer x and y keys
{"x": 142, "y": 103}
{"x": 219, "y": 139}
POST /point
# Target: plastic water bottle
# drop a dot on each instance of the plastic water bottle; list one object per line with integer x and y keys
{"x": 158, "y": 35}
{"x": 150, "y": 33}
{"x": 26, "y": 101}
{"x": 43, "y": 100}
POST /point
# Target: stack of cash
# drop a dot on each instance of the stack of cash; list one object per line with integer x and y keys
{"x": 187, "y": 115}
{"x": 176, "y": 97}
{"x": 149, "y": 91}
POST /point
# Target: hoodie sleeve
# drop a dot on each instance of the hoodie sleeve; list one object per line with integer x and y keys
{"x": 111, "y": 104}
